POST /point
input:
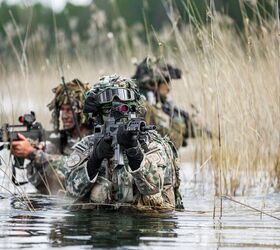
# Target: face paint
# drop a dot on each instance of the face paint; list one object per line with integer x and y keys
{"x": 67, "y": 117}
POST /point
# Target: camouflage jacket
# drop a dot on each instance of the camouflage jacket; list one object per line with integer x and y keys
{"x": 46, "y": 169}
{"x": 155, "y": 184}
{"x": 173, "y": 126}
{"x": 175, "y": 123}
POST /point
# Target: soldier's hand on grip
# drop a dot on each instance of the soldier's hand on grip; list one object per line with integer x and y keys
{"x": 125, "y": 138}
{"x": 129, "y": 141}
{"x": 103, "y": 149}
{"x": 22, "y": 147}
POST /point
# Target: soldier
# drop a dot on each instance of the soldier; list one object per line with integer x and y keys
{"x": 149, "y": 176}
{"x": 154, "y": 80}
{"x": 45, "y": 170}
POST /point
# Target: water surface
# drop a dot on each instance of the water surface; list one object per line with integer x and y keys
{"x": 54, "y": 225}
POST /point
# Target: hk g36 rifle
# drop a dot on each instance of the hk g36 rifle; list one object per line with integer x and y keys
{"x": 121, "y": 115}
{"x": 30, "y": 129}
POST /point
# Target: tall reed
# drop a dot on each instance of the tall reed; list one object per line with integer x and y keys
{"x": 232, "y": 77}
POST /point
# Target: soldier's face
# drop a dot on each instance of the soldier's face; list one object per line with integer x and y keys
{"x": 163, "y": 89}
{"x": 67, "y": 117}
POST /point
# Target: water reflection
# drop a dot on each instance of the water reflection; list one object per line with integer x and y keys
{"x": 34, "y": 202}
{"x": 53, "y": 225}
{"x": 111, "y": 229}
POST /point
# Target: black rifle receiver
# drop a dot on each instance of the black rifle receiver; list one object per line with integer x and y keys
{"x": 110, "y": 128}
{"x": 29, "y": 128}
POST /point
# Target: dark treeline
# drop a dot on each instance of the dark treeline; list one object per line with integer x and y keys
{"x": 119, "y": 14}
{"x": 134, "y": 11}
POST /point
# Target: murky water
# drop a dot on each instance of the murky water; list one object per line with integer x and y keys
{"x": 54, "y": 225}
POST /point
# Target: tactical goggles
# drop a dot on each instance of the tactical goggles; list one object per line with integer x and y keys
{"x": 123, "y": 94}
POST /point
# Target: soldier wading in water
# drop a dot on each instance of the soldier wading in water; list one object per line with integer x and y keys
{"x": 154, "y": 78}
{"x": 46, "y": 168}
{"x": 145, "y": 176}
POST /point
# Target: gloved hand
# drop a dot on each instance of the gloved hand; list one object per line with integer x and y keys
{"x": 129, "y": 142}
{"x": 102, "y": 150}
{"x": 126, "y": 138}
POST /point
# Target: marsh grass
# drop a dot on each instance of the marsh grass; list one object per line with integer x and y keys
{"x": 7, "y": 186}
{"x": 232, "y": 77}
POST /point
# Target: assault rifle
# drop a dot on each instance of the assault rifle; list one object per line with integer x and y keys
{"x": 121, "y": 115}
{"x": 30, "y": 129}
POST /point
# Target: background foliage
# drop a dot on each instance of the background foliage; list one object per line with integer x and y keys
{"x": 228, "y": 51}
{"x": 75, "y": 22}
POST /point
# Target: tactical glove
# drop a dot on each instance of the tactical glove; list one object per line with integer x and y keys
{"x": 126, "y": 138}
{"x": 102, "y": 150}
{"x": 129, "y": 142}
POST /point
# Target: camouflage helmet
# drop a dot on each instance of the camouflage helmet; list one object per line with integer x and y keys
{"x": 76, "y": 91}
{"x": 151, "y": 72}
{"x": 104, "y": 92}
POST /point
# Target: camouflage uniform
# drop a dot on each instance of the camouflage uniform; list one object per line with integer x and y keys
{"x": 46, "y": 168}
{"x": 176, "y": 126}
{"x": 154, "y": 184}
{"x": 170, "y": 120}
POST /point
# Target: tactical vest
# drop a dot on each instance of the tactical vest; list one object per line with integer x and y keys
{"x": 173, "y": 127}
